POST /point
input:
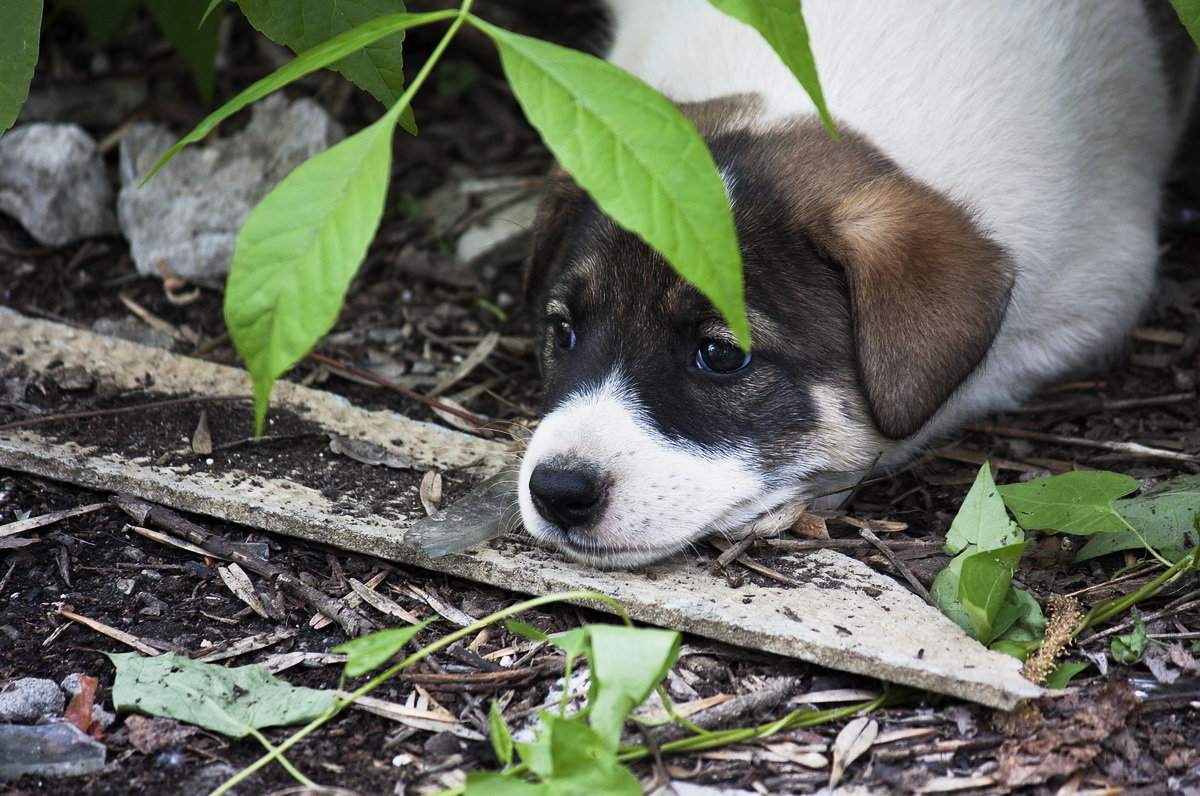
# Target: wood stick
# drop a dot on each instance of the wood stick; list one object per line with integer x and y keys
{"x": 1130, "y": 448}
{"x": 903, "y": 569}
{"x": 29, "y": 523}
{"x": 354, "y": 623}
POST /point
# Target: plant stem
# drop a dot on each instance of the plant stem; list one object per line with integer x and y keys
{"x": 1109, "y": 608}
{"x": 1165, "y": 562}
{"x": 283, "y": 761}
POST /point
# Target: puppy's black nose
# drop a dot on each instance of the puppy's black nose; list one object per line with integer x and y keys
{"x": 566, "y": 496}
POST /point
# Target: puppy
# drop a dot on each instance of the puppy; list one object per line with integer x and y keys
{"x": 985, "y": 224}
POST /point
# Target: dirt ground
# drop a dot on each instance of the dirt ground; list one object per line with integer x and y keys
{"x": 416, "y": 312}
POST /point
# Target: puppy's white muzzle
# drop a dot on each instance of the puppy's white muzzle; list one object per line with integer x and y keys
{"x": 600, "y": 482}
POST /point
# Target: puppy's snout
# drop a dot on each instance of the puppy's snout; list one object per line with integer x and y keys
{"x": 567, "y": 496}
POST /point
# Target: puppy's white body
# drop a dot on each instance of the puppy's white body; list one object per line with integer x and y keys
{"x": 1047, "y": 119}
{"x": 1049, "y": 122}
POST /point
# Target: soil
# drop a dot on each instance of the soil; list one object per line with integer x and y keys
{"x": 416, "y": 314}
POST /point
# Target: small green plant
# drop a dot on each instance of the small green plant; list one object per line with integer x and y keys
{"x": 1129, "y": 648}
{"x": 975, "y": 589}
{"x": 571, "y": 753}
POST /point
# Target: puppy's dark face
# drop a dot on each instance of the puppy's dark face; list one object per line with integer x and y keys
{"x": 659, "y": 429}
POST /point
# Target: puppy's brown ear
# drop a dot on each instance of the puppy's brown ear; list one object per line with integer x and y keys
{"x": 559, "y": 208}
{"x": 927, "y": 294}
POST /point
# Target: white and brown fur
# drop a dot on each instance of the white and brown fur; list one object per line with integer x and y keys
{"x": 986, "y": 224}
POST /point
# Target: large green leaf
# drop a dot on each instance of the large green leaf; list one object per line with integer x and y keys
{"x": 196, "y": 43}
{"x": 1189, "y": 15}
{"x": 303, "y": 24}
{"x": 18, "y": 55}
{"x": 1079, "y": 503}
{"x": 983, "y": 585}
{"x": 229, "y": 701}
{"x": 1165, "y": 514}
{"x": 638, "y": 157}
{"x": 311, "y": 60}
{"x": 626, "y": 663}
{"x": 781, "y": 23}
{"x": 298, "y": 250}
{"x": 981, "y": 520}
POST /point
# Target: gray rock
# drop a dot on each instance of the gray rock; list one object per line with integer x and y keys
{"x": 31, "y": 700}
{"x": 185, "y": 220}
{"x": 52, "y": 180}
{"x": 48, "y": 750}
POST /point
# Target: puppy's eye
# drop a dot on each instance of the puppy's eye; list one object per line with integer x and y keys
{"x": 564, "y": 333}
{"x": 720, "y": 356}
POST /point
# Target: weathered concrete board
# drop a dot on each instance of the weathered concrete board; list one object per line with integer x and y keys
{"x": 841, "y": 614}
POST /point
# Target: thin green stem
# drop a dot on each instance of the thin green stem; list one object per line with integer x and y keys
{"x": 1107, "y": 609}
{"x": 283, "y": 761}
{"x": 1164, "y": 561}
{"x": 794, "y": 720}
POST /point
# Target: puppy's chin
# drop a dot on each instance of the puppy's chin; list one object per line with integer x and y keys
{"x": 599, "y": 546}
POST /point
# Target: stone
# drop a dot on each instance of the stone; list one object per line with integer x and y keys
{"x": 48, "y": 750}
{"x": 185, "y": 220}
{"x": 31, "y": 700}
{"x": 53, "y": 181}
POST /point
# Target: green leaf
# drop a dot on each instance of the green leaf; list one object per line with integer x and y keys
{"x": 229, "y": 701}
{"x": 18, "y": 55}
{"x": 626, "y": 663}
{"x": 492, "y": 783}
{"x": 1020, "y": 619}
{"x": 1129, "y": 648}
{"x": 1189, "y": 15}
{"x": 368, "y": 652}
{"x": 101, "y": 20}
{"x": 1062, "y": 674}
{"x": 638, "y": 157}
{"x": 574, "y": 642}
{"x": 316, "y": 58}
{"x": 983, "y": 583}
{"x": 573, "y": 759}
{"x": 298, "y": 250}
{"x": 212, "y": 6}
{"x": 1079, "y": 503}
{"x": 197, "y": 43}
{"x": 303, "y": 24}
{"x": 944, "y": 592}
{"x": 502, "y": 741}
{"x": 1165, "y": 514}
{"x": 525, "y": 631}
{"x": 781, "y": 23}
{"x": 982, "y": 520}
{"x": 1017, "y": 649}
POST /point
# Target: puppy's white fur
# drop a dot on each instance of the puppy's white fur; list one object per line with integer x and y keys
{"x": 1048, "y": 119}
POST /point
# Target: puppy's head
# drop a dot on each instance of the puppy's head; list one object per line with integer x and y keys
{"x": 870, "y": 297}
